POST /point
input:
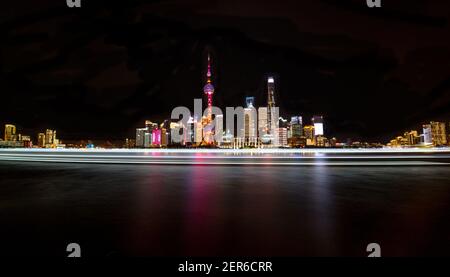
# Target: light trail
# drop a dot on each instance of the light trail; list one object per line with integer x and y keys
{"x": 292, "y": 157}
{"x": 238, "y": 151}
{"x": 225, "y": 157}
{"x": 165, "y": 162}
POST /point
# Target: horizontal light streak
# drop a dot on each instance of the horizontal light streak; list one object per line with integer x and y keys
{"x": 101, "y": 161}
{"x": 224, "y": 157}
{"x": 237, "y": 151}
{"x": 233, "y": 157}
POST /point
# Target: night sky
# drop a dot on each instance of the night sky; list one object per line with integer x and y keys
{"x": 100, "y": 71}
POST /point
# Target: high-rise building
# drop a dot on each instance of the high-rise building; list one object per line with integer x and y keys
{"x": 26, "y": 140}
{"x": 10, "y": 132}
{"x": 250, "y": 102}
{"x": 156, "y": 137}
{"x": 262, "y": 121}
{"x": 165, "y": 137}
{"x": 250, "y": 122}
{"x": 140, "y": 137}
{"x": 41, "y": 140}
{"x": 317, "y": 121}
{"x": 218, "y": 129}
{"x": 282, "y": 137}
{"x": 147, "y": 139}
{"x": 308, "y": 131}
{"x": 427, "y": 136}
{"x": 448, "y": 134}
{"x": 144, "y": 135}
{"x": 296, "y": 126}
{"x": 321, "y": 141}
{"x": 271, "y": 105}
{"x": 250, "y": 131}
{"x": 412, "y": 137}
{"x": 48, "y": 137}
{"x": 438, "y": 133}
{"x": 50, "y": 140}
{"x": 198, "y": 132}
{"x": 177, "y": 129}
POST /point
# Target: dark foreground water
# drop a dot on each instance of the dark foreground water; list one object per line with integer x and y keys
{"x": 151, "y": 210}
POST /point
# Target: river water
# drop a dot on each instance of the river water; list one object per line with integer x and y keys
{"x": 161, "y": 210}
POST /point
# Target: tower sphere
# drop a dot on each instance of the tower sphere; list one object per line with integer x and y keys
{"x": 208, "y": 89}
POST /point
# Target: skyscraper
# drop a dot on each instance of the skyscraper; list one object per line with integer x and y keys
{"x": 156, "y": 137}
{"x": 296, "y": 126}
{"x": 41, "y": 140}
{"x": 250, "y": 120}
{"x": 147, "y": 139}
{"x": 262, "y": 121}
{"x": 198, "y": 130}
{"x": 270, "y": 104}
{"x": 218, "y": 129}
{"x": 144, "y": 135}
{"x": 250, "y": 102}
{"x": 438, "y": 133}
{"x": 140, "y": 136}
{"x": 10, "y": 132}
{"x": 282, "y": 137}
{"x": 427, "y": 137}
{"x": 308, "y": 130}
{"x": 317, "y": 121}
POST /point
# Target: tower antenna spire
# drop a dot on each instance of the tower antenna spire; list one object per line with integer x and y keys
{"x": 208, "y": 89}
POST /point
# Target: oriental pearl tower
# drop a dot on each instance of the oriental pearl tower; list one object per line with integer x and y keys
{"x": 208, "y": 89}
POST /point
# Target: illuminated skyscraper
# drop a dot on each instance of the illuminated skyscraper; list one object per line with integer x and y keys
{"x": 50, "y": 139}
{"x": 41, "y": 140}
{"x": 282, "y": 137}
{"x": 144, "y": 135}
{"x": 165, "y": 136}
{"x": 296, "y": 126}
{"x": 318, "y": 125}
{"x": 412, "y": 137}
{"x": 156, "y": 137}
{"x": 250, "y": 123}
{"x": 10, "y": 132}
{"x": 262, "y": 121}
{"x": 427, "y": 137}
{"x": 270, "y": 104}
{"x": 147, "y": 139}
{"x": 198, "y": 130}
{"x": 308, "y": 131}
{"x": 218, "y": 129}
{"x": 177, "y": 128}
{"x": 438, "y": 133}
{"x": 140, "y": 136}
{"x": 250, "y": 102}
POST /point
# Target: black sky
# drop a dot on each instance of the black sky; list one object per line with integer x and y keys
{"x": 99, "y": 71}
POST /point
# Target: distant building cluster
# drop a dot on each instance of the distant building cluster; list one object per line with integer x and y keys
{"x": 152, "y": 135}
{"x": 257, "y": 128}
{"x": 433, "y": 134}
{"x": 12, "y": 139}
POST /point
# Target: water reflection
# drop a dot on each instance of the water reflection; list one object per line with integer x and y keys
{"x": 226, "y": 210}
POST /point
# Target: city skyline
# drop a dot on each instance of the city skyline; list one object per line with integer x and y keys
{"x": 258, "y": 127}
{"x": 368, "y": 87}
